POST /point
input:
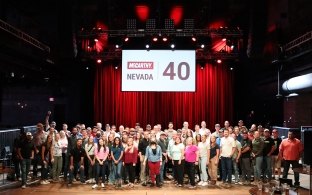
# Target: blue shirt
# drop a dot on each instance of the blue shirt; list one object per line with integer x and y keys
{"x": 150, "y": 156}
{"x": 116, "y": 151}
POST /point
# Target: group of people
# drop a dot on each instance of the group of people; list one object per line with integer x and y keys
{"x": 150, "y": 156}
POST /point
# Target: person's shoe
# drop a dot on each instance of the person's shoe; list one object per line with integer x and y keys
{"x": 94, "y": 186}
{"x": 152, "y": 185}
{"x": 144, "y": 184}
{"x": 236, "y": 182}
{"x": 213, "y": 182}
{"x": 43, "y": 182}
{"x": 180, "y": 185}
{"x": 88, "y": 181}
{"x": 23, "y": 186}
{"x": 47, "y": 181}
{"x": 247, "y": 183}
{"x": 102, "y": 185}
{"x": 204, "y": 184}
{"x": 69, "y": 184}
{"x": 191, "y": 187}
{"x": 200, "y": 183}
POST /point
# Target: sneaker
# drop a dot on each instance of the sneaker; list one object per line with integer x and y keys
{"x": 192, "y": 187}
{"x": 23, "y": 186}
{"x": 200, "y": 183}
{"x": 93, "y": 180}
{"x": 180, "y": 185}
{"x": 43, "y": 182}
{"x": 102, "y": 185}
{"x": 94, "y": 186}
{"x": 204, "y": 184}
{"x": 47, "y": 182}
{"x": 88, "y": 181}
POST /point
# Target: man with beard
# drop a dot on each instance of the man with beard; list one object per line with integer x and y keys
{"x": 77, "y": 155}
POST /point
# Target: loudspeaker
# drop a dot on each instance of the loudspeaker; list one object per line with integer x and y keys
{"x": 306, "y": 138}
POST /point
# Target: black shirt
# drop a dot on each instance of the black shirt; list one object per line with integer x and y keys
{"x": 246, "y": 143}
{"x": 277, "y": 143}
{"x": 26, "y": 148}
{"x": 163, "y": 145}
{"x": 77, "y": 153}
{"x": 143, "y": 145}
{"x": 213, "y": 151}
{"x": 268, "y": 143}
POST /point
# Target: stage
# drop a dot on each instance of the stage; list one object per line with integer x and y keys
{"x": 167, "y": 189}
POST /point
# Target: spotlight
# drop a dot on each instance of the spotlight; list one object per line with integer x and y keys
{"x": 155, "y": 39}
{"x": 126, "y": 39}
{"x": 116, "y": 46}
{"x": 232, "y": 47}
{"x": 194, "y": 39}
{"x": 147, "y": 46}
{"x": 224, "y": 39}
{"x": 87, "y": 68}
{"x": 219, "y": 61}
{"x": 202, "y": 46}
{"x": 116, "y": 67}
{"x": 165, "y": 39}
{"x": 231, "y": 68}
{"x": 96, "y": 40}
{"x": 172, "y": 46}
{"x": 99, "y": 61}
{"x": 89, "y": 47}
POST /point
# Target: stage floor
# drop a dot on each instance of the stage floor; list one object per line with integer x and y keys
{"x": 167, "y": 189}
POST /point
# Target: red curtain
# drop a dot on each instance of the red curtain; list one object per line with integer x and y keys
{"x": 212, "y": 101}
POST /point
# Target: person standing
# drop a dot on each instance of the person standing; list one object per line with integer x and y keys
{"x": 191, "y": 159}
{"x": 101, "y": 153}
{"x": 276, "y": 162}
{"x": 76, "y": 161}
{"x": 204, "y": 156}
{"x": 245, "y": 158}
{"x": 46, "y": 156}
{"x": 290, "y": 151}
{"x": 142, "y": 149}
{"x": 39, "y": 139}
{"x": 268, "y": 149}
{"x": 236, "y": 156}
{"x": 130, "y": 161}
{"x": 177, "y": 155}
{"x": 153, "y": 156}
{"x": 117, "y": 152}
{"x": 56, "y": 158}
{"x": 257, "y": 155}
{"x": 227, "y": 148}
{"x": 26, "y": 152}
{"x": 213, "y": 160}
{"x": 90, "y": 160}
{"x": 163, "y": 143}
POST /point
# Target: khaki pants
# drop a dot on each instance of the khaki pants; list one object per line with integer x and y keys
{"x": 213, "y": 169}
{"x": 143, "y": 169}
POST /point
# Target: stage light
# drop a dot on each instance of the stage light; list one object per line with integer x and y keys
{"x": 202, "y": 46}
{"x": 126, "y": 39}
{"x": 116, "y": 67}
{"x": 219, "y": 61}
{"x": 99, "y": 61}
{"x": 165, "y": 39}
{"x": 231, "y": 68}
{"x": 172, "y": 46}
{"x": 224, "y": 39}
{"x": 194, "y": 39}
{"x": 147, "y": 46}
{"x": 232, "y": 47}
{"x": 116, "y": 46}
{"x": 155, "y": 39}
{"x": 96, "y": 40}
{"x": 87, "y": 68}
{"x": 89, "y": 47}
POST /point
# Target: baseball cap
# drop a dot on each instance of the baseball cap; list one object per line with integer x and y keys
{"x": 267, "y": 130}
{"x": 163, "y": 133}
{"x": 28, "y": 134}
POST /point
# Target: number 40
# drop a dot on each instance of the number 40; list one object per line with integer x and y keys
{"x": 169, "y": 71}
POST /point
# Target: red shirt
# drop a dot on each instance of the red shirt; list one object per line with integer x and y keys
{"x": 291, "y": 149}
{"x": 131, "y": 156}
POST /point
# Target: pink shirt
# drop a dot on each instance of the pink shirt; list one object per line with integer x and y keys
{"x": 101, "y": 154}
{"x": 190, "y": 153}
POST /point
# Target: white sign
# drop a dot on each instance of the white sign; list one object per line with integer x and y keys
{"x": 158, "y": 70}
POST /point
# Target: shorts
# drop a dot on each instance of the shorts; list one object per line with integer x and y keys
{"x": 276, "y": 163}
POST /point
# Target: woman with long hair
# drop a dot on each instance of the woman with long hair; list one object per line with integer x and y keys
{"x": 153, "y": 155}
{"x": 90, "y": 160}
{"x": 213, "y": 160}
{"x": 130, "y": 161}
{"x": 56, "y": 158}
{"x": 204, "y": 153}
{"x": 117, "y": 153}
{"x": 64, "y": 143}
{"x": 46, "y": 159}
{"x": 177, "y": 155}
{"x": 191, "y": 159}
{"x": 101, "y": 153}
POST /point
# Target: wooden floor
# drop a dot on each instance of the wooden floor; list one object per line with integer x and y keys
{"x": 167, "y": 189}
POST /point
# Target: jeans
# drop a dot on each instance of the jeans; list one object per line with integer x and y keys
{"x": 246, "y": 169}
{"x": 226, "y": 164}
{"x": 66, "y": 165}
{"x": 36, "y": 161}
{"x": 235, "y": 169}
{"x": 112, "y": 173}
{"x": 90, "y": 170}
{"x": 203, "y": 170}
{"x": 17, "y": 168}
{"x": 100, "y": 171}
{"x": 268, "y": 169}
{"x": 294, "y": 164}
{"x": 130, "y": 170}
{"x": 25, "y": 165}
{"x": 162, "y": 169}
{"x": 72, "y": 172}
{"x": 258, "y": 167}
{"x": 117, "y": 170}
{"x": 190, "y": 170}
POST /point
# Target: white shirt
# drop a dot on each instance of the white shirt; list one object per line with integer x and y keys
{"x": 203, "y": 148}
{"x": 226, "y": 145}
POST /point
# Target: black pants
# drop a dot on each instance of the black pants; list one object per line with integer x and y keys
{"x": 130, "y": 170}
{"x": 178, "y": 171}
{"x": 190, "y": 170}
{"x": 294, "y": 164}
